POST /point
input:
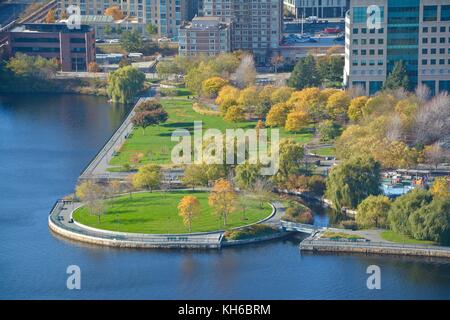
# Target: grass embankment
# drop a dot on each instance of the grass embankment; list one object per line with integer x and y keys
{"x": 155, "y": 145}
{"x": 340, "y": 235}
{"x": 392, "y": 236}
{"x": 157, "y": 213}
{"x": 255, "y": 231}
{"x": 325, "y": 152}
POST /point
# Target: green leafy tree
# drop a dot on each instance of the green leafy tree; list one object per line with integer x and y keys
{"x": 373, "y": 212}
{"x": 246, "y": 175}
{"x": 125, "y": 83}
{"x": 304, "y": 74}
{"x": 131, "y": 41}
{"x": 194, "y": 176}
{"x": 291, "y": 158}
{"x": 151, "y": 28}
{"x": 404, "y": 206}
{"x": 398, "y": 78}
{"x": 350, "y": 182}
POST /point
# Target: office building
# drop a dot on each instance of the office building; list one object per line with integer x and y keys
{"x": 74, "y": 49}
{"x": 416, "y": 32}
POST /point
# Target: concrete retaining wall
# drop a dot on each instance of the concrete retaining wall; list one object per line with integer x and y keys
{"x": 374, "y": 249}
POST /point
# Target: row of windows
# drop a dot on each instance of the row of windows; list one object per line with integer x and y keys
{"x": 434, "y": 51}
{"x": 363, "y": 63}
{"x": 434, "y": 40}
{"x": 434, "y": 29}
{"x": 364, "y": 41}
{"x": 435, "y": 61}
{"x": 363, "y": 52}
{"x": 430, "y": 13}
{"x": 364, "y": 30}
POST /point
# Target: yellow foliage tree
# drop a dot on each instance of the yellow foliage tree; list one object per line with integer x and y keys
{"x": 93, "y": 67}
{"x": 212, "y": 86}
{"x": 439, "y": 189}
{"x": 114, "y": 12}
{"x": 337, "y": 105}
{"x": 223, "y": 198}
{"x": 355, "y": 110}
{"x": 188, "y": 208}
{"x": 281, "y": 94}
{"x": 148, "y": 176}
{"x": 227, "y": 97}
{"x": 249, "y": 97}
{"x": 235, "y": 114}
{"x": 50, "y": 17}
{"x": 277, "y": 115}
{"x": 296, "y": 120}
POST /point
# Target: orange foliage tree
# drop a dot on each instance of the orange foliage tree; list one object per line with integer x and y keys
{"x": 223, "y": 198}
{"x": 188, "y": 208}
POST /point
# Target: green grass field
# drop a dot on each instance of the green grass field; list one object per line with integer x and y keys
{"x": 156, "y": 145}
{"x": 325, "y": 152}
{"x": 157, "y": 213}
{"x": 390, "y": 235}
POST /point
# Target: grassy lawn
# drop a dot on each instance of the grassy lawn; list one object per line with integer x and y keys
{"x": 390, "y": 235}
{"x": 157, "y": 213}
{"x": 340, "y": 235}
{"x": 325, "y": 152}
{"x": 156, "y": 145}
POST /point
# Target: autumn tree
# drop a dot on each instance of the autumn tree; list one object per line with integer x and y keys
{"x": 148, "y": 177}
{"x": 235, "y": 114}
{"x": 355, "y": 108}
{"x": 188, "y": 208}
{"x": 281, "y": 94}
{"x": 337, "y": 106}
{"x": 296, "y": 121}
{"x": 223, "y": 199}
{"x": 249, "y": 98}
{"x": 50, "y": 17}
{"x": 212, "y": 86}
{"x": 93, "y": 67}
{"x": 145, "y": 119}
{"x": 328, "y": 130}
{"x": 277, "y": 115}
{"x": 92, "y": 195}
{"x": 277, "y": 61}
{"x": 373, "y": 212}
{"x": 114, "y": 12}
{"x": 435, "y": 155}
{"x": 227, "y": 97}
{"x": 440, "y": 187}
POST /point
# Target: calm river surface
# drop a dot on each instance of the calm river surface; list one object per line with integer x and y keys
{"x": 45, "y": 142}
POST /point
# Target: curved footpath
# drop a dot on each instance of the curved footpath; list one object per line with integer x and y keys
{"x": 61, "y": 214}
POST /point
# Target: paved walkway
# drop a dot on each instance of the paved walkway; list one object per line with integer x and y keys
{"x": 60, "y": 217}
{"x": 98, "y": 167}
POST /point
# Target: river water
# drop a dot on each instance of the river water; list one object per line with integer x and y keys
{"x": 45, "y": 142}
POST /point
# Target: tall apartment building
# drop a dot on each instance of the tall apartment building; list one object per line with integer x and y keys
{"x": 416, "y": 32}
{"x": 167, "y": 15}
{"x": 317, "y": 8}
{"x": 204, "y": 35}
{"x": 257, "y": 25}
{"x": 74, "y": 49}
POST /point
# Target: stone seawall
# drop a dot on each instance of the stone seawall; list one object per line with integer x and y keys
{"x": 392, "y": 249}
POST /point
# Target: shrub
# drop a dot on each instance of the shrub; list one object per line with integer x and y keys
{"x": 254, "y": 231}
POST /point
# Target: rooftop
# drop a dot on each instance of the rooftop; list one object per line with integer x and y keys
{"x": 49, "y": 27}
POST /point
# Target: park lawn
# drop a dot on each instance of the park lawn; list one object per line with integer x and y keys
{"x": 392, "y": 236}
{"x": 155, "y": 145}
{"x": 156, "y": 212}
{"x": 325, "y": 152}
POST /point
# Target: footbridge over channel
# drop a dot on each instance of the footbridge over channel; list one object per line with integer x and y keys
{"x": 300, "y": 227}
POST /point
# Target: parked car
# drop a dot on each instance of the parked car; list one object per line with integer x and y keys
{"x": 111, "y": 41}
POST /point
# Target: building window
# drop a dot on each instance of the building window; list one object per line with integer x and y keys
{"x": 430, "y": 13}
{"x": 445, "y": 13}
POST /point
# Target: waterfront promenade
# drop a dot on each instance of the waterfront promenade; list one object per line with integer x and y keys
{"x": 60, "y": 221}
{"x": 97, "y": 169}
